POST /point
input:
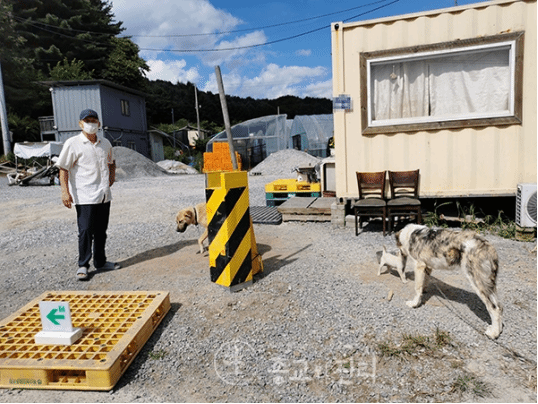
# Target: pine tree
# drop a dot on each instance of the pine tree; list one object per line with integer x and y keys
{"x": 67, "y": 29}
{"x": 17, "y": 71}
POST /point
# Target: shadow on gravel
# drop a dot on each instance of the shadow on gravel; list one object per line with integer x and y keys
{"x": 147, "y": 352}
{"x": 273, "y": 264}
{"x": 372, "y": 226}
{"x": 156, "y": 253}
{"x": 454, "y": 294}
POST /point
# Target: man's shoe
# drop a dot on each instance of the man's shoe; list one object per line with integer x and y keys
{"x": 109, "y": 266}
{"x": 82, "y": 273}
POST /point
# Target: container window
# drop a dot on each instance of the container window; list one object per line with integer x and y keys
{"x": 443, "y": 86}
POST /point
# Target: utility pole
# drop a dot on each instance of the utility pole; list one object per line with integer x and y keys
{"x": 226, "y": 117}
{"x": 197, "y": 112}
{"x": 3, "y": 117}
{"x": 174, "y": 132}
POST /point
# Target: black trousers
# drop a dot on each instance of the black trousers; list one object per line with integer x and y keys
{"x": 92, "y": 223}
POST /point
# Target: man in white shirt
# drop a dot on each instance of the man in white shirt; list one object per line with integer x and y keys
{"x": 87, "y": 171}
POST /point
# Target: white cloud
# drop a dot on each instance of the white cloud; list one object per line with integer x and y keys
{"x": 321, "y": 89}
{"x": 171, "y": 25}
{"x": 232, "y": 83}
{"x": 303, "y": 52}
{"x": 244, "y": 44}
{"x": 178, "y": 25}
{"x": 172, "y": 70}
{"x": 171, "y": 17}
{"x": 275, "y": 81}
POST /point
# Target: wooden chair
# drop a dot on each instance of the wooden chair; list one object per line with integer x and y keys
{"x": 403, "y": 195}
{"x": 371, "y": 201}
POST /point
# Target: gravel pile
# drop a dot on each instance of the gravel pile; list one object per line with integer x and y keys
{"x": 283, "y": 163}
{"x": 319, "y": 326}
{"x": 176, "y": 167}
{"x": 131, "y": 164}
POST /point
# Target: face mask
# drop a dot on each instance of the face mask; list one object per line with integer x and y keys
{"x": 90, "y": 128}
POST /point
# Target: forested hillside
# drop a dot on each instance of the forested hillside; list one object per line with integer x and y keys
{"x": 42, "y": 40}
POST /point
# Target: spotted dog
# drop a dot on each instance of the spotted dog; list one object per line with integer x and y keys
{"x": 447, "y": 249}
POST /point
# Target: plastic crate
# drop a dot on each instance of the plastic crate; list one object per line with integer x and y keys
{"x": 291, "y": 185}
{"x": 279, "y": 195}
{"x": 288, "y": 195}
{"x": 116, "y": 327}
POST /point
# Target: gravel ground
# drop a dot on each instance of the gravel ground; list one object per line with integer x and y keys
{"x": 319, "y": 326}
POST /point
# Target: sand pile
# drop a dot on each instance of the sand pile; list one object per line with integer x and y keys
{"x": 283, "y": 162}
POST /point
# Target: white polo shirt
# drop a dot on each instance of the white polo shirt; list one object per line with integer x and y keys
{"x": 87, "y": 164}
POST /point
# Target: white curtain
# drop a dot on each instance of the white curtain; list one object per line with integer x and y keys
{"x": 400, "y": 90}
{"x": 448, "y": 86}
{"x": 476, "y": 83}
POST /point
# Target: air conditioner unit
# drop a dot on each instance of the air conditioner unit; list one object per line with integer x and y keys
{"x": 526, "y": 205}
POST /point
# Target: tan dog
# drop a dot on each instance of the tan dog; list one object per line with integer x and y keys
{"x": 195, "y": 215}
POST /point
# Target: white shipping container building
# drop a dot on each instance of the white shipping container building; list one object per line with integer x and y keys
{"x": 451, "y": 92}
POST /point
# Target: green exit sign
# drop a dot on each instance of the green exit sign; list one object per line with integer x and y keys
{"x": 55, "y": 316}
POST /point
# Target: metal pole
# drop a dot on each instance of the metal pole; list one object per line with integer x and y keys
{"x": 173, "y": 130}
{"x": 3, "y": 117}
{"x": 197, "y": 113}
{"x": 226, "y": 117}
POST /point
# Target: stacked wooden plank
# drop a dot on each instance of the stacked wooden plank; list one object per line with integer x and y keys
{"x": 306, "y": 209}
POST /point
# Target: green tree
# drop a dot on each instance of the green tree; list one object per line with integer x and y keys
{"x": 66, "y": 70}
{"x": 123, "y": 65}
{"x": 10, "y": 41}
{"x": 67, "y": 29}
{"x": 18, "y": 75}
{"x": 212, "y": 127}
{"x": 24, "y": 128}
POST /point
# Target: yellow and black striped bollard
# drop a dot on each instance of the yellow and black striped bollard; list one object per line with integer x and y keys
{"x": 233, "y": 255}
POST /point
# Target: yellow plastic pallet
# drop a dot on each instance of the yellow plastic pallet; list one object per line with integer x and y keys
{"x": 291, "y": 185}
{"x": 116, "y": 327}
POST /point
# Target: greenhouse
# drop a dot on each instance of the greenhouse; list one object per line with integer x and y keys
{"x": 257, "y": 138}
{"x": 311, "y": 133}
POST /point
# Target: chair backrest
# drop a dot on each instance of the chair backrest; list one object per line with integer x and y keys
{"x": 371, "y": 185}
{"x": 403, "y": 183}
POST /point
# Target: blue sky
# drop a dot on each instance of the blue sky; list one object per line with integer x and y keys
{"x": 264, "y": 48}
